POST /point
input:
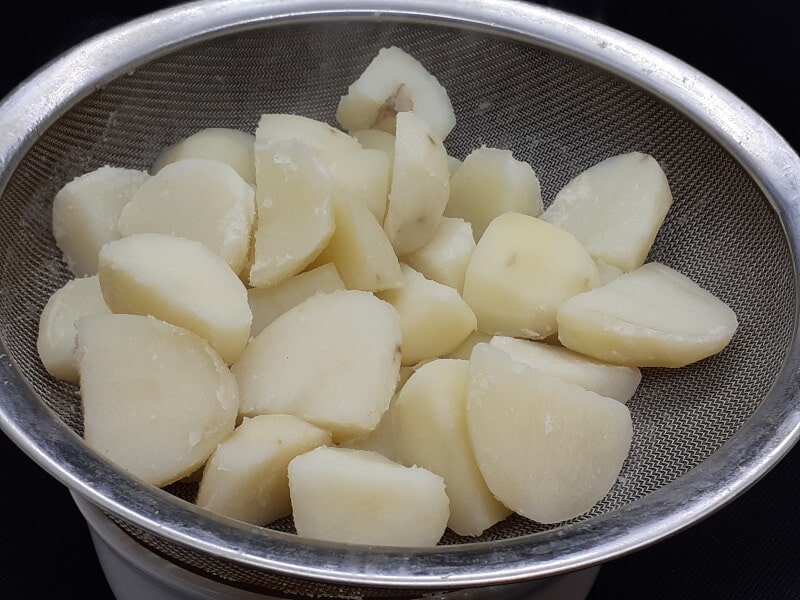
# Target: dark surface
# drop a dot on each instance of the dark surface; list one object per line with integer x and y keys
{"x": 747, "y": 551}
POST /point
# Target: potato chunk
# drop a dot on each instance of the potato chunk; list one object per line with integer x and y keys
{"x": 363, "y": 176}
{"x": 199, "y": 199}
{"x": 85, "y": 214}
{"x": 230, "y": 146}
{"x": 56, "y": 340}
{"x": 520, "y": 272}
{"x": 615, "y": 208}
{"x": 444, "y": 257}
{"x": 157, "y": 399}
{"x": 430, "y": 430}
{"x": 653, "y": 316}
{"x": 491, "y": 182}
{"x": 612, "y": 381}
{"x": 179, "y": 281}
{"x": 561, "y": 447}
{"x": 327, "y": 142}
{"x": 332, "y": 360}
{"x": 361, "y": 497}
{"x": 433, "y": 316}
{"x": 295, "y": 215}
{"x": 375, "y": 139}
{"x": 246, "y": 477}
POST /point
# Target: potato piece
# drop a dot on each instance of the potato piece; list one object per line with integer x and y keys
{"x": 230, "y": 146}
{"x": 269, "y": 304}
{"x": 394, "y": 82}
{"x": 444, "y": 257}
{"x": 295, "y": 215}
{"x": 179, "y": 281}
{"x": 56, "y": 340}
{"x": 615, "y": 208}
{"x": 653, "y": 316}
{"x": 548, "y": 449}
{"x": 327, "y": 142}
{"x": 491, "y": 182}
{"x": 520, "y": 272}
{"x": 198, "y": 199}
{"x": 433, "y": 316}
{"x": 420, "y": 185}
{"x": 360, "y": 249}
{"x": 612, "y": 381}
{"x": 246, "y": 477}
{"x": 332, "y": 360}
{"x": 464, "y": 349}
{"x": 157, "y": 399}
{"x": 363, "y": 176}
{"x": 430, "y": 431}
{"x": 85, "y": 214}
{"x": 375, "y": 139}
{"x": 361, "y": 497}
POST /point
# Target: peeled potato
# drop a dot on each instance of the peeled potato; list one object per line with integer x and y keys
{"x": 433, "y": 317}
{"x": 520, "y": 272}
{"x": 612, "y": 381}
{"x": 246, "y": 477}
{"x": 615, "y": 208}
{"x": 652, "y": 316}
{"x": 491, "y": 182}
{"x": 332, "y": 360}
{"x": 157, "y": 399}
{"x": 327, "y": 142}
{"x": 56, "y": 340}
{"x": 199, "y": 199}
{"x": 85, "y": 214}
{"x": 363, "y": 176}
{"x": 561, "y": 447}
{"x": 269, "y": 304}
{"x": 295, "y": 215}
{"x": 230, "y": 146}
{"x": 375, "y": 139}
{"x": 361, "y": 497}
{"x": 464, "y": 349}
{"x": 179, "y": 281}
{"x": 420, "y": 185}
{"x": 430, "y": 430}
{"x": 444, "y": 257}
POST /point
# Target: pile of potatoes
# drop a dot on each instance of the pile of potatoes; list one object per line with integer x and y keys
{"x": 351, "y": 327}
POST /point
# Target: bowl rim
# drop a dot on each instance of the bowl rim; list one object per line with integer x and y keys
{"x": 760, "y": 443}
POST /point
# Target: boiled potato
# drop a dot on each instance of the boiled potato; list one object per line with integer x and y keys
{"x": 56, "y": 340}
{"x": 433, "y": 317}
{"x": 362, "y": 497}
{"x": 652, "y": 316}
{"x": 230, "y": 146}
{"x": 179, "y": 281}
{"x": 85, "y": 214}
{"x": 295, "y": 213}
{"x": 392, "y": 83}
{"x": 269, "y": 304}
{"x": 327, "y": 142}
{"x": 612, "y": 381}
{"x": 549, "y": 450}
{"x": 520, "y": 272}
{"x": 615, "y": 208}
{"x": 464, "y": 349}
{"x": 430, "y": 431}
{"x": 363, "y": 176}
{"x": 444, "y": 257}
{"x": 361, "y": 250}
{"x": 157, "y": 399}
{"x": 489, "y": 183}
{"x": 420, "y": 185}
{"x": 375, "y": 139}
{"x": 332, "y": 360}
{"x": 246, "y": 477}
{"x": 199, "y": 199}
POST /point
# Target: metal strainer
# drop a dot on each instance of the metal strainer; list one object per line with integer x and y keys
{"x": 562, "y": 93}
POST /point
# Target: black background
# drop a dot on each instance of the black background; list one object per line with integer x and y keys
{"x": 749, "y": 550}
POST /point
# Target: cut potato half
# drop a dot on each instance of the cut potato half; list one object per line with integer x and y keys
{"x": 548, "y": 449}
{"x": 362, "y": 497}
{"x": 157, "y": 399}
{"x": 179, "y": 281}
{"x": 444, "y": 257}
{"x": 246, "y": 477}
{"x": 615, "y": 208}
{"x": 653, "y": 316}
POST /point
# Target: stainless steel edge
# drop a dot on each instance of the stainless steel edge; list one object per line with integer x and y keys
{"x": 766, "y": 438}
